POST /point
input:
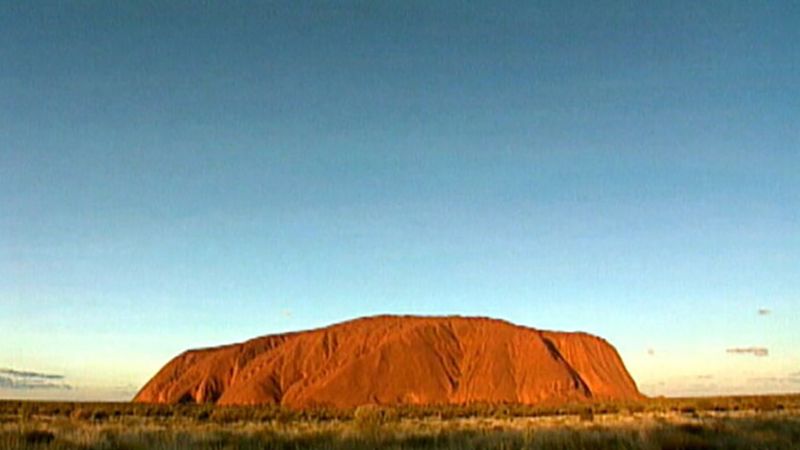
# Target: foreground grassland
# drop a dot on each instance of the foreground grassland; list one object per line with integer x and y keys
{"x": 771, "y": 422}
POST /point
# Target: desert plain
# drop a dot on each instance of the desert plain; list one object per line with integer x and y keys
{"x": 750, "y": 422}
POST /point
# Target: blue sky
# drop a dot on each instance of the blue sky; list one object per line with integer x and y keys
{"x": 183, "y": 174}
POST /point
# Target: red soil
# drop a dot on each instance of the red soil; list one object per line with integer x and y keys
{"x": 398, "y": 360}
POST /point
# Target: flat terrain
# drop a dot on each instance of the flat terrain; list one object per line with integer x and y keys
{"x": 763, "y": 422}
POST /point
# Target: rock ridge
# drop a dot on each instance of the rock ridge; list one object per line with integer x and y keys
{"x": 392, "y": 360}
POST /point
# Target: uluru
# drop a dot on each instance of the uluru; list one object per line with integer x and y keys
{"x": 393, "y": 360}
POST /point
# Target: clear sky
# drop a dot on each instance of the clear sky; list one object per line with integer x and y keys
{"x": 182, "y": 174}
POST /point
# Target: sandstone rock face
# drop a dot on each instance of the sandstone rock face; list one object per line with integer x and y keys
{"x": 389, "y": 360}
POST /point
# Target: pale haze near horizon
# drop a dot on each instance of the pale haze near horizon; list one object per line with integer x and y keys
{"x": 181, "y": 175}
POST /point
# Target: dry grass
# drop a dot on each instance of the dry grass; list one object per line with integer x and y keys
{"x": 719, "y": 423}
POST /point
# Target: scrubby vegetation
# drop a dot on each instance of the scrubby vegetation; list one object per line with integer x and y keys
{"x": 768, "y": 422}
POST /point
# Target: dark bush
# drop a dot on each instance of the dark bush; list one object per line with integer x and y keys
{"x": 38, "y": 437}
